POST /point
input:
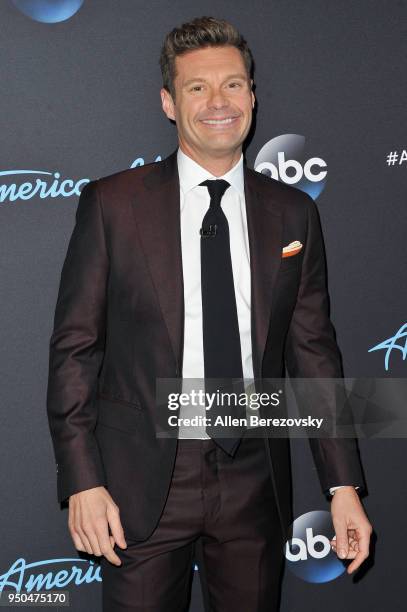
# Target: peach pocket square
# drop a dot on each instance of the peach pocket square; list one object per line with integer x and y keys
{"x": 291, "y": 249}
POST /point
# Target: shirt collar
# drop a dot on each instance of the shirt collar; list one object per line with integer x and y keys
{"x": 191, "y": 173}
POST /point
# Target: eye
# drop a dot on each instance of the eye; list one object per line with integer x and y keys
{"x": 238, "y": 84}
{"x": 195, "y": 87}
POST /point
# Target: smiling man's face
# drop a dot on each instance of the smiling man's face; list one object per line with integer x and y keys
{"x": 213, "y": 103}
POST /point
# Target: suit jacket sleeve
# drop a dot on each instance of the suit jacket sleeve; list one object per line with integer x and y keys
{"x": 312, "y": 352}
{"x": 77, "y": 350}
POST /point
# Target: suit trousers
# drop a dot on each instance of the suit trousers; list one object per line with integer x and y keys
{"x": 229, "y": 503}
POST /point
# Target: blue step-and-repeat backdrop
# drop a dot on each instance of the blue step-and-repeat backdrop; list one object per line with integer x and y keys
{"x": 80, "y": 100}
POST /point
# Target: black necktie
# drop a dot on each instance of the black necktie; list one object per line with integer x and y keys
{"x": 221, "y": 339}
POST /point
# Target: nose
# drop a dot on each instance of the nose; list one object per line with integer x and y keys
{"x": 218, "y": 99}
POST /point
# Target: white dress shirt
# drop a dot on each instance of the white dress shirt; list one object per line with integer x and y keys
{"x": 194, "y": 203}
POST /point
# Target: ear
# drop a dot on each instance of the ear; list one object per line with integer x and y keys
{"x": 252, "y": 94}
{"x": 167, "y": 103}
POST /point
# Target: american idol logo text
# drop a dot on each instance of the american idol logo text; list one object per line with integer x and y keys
{"x": 28, "y": 184}
{"x": 139, "y": 161}
{"x": 26, "y": 576}
{"x": 308, "y": 553}
{"x": 283, "y": 158}
{"x": 391, "y": 344}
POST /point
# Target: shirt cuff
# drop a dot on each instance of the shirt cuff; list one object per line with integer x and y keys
{"x": 333, "y": 489}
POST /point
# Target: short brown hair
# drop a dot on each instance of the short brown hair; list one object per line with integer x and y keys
{"x": 196, "y": 34}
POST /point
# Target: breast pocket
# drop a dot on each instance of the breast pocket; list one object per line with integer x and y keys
{"x": 290, "y": 264}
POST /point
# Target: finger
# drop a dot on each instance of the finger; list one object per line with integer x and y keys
{"x": 93, "y": 539}
{"x": 356, "y": 563}
{"x": 79, "y": 530}
{"x": 354, "y": 545}
{"x": 352, "y": 551}
{"x": 116, "y": 526}
{"x": 352, "y": 548}
{"x": 106, "y": 543}
{"x": 341, "y": 532}
{"x": 84, "y": 537}
{"x": 352, "y": 554}
{"x": 89, "y": 528}
{"x": 363, "y": 553}
{"x": 79, "y": 545}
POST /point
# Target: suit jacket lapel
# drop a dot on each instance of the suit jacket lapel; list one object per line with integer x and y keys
{"x": 158, "y": 218}
{"x": 265, "y": 230}
{"x": 157, "y": 214}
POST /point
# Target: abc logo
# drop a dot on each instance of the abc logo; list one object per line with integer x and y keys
{"x": 49, "y": 12}
{"x": 309, "y": 547}
{"x": 308, "y": 553}
{"x": 283, "y": 158}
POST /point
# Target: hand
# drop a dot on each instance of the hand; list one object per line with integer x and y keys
{"x": 91, "y": 512}
{"x": 352, "y": 527}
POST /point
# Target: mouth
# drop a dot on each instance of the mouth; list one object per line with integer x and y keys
{"x": 221, "y": 122}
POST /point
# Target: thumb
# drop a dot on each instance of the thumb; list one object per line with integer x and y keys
{"x": 341, "y": 532}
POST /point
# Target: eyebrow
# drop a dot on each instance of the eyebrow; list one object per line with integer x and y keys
{"x": 201, "y": 79}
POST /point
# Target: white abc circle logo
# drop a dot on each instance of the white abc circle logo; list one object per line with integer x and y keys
{"x": 308, "y": 547}
{"x": 308, "y": 552}
{"x": 284, "y": 159}
{"x": 280, "y": 172}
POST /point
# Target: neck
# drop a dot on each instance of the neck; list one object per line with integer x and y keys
{"x": 218, "y": 166}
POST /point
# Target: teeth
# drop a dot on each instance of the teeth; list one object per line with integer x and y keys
{"x": 218, "y": 121}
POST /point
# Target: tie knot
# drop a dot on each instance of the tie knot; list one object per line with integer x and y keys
{"x": 216, "y": 188}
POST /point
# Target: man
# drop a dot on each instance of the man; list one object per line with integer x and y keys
{"x": 138, "y": 292}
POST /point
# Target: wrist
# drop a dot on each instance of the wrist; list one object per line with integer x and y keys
{"x": 343, "y": 490}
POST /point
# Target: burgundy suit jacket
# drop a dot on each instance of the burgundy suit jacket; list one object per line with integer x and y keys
{"x": 119, "y": 322}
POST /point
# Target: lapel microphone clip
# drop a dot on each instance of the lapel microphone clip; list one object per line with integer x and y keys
{"x": 208, "y": 232}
